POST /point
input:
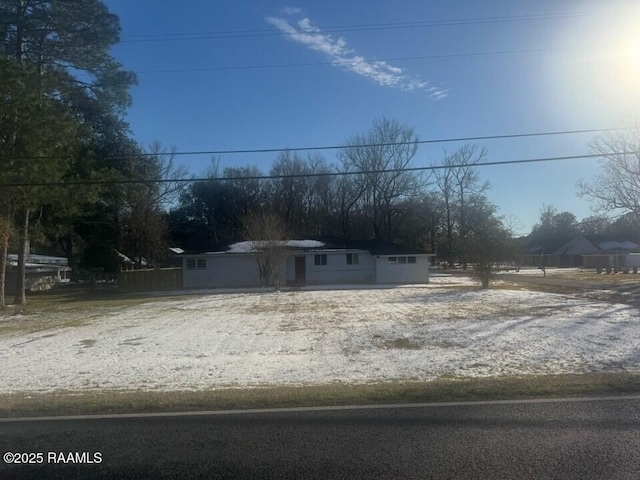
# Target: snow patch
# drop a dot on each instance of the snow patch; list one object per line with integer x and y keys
{"x": 321, "y": 336}
{"x": 254, "y": 246}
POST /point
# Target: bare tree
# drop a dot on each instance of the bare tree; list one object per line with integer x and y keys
{"x": 444, "y": 180}
{"x": 268, "y": 235}
{"x": 289, "y": 193}
{"x": 458, "y": 179}
{"x": 513, "y": 225}
{"x": 319, "y": 199}
{"x": 382, "y": 155}
{"x": 467, "y": 182}
{"x": 617, "y": 188}
{"x": 347, "y": 193}
{"x": 423, "y": 222}
{"x": 163, "y": 168}
{"x": 145, "y": 205}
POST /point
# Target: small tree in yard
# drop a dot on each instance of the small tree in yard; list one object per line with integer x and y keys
{"x": 489, "y": 240}
{"x": 267, "y": 234}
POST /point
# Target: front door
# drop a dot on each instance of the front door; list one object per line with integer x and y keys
{"x": 301, "y": 270}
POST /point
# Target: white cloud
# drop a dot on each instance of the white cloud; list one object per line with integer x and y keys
{"x": 341, "y": 55}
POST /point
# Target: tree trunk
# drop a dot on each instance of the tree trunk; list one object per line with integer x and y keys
{"x": 66, "y": 243}
{"x": 463, "y": 231}
{"x": 449, "y": 234}
{"x": 21, "y": 298}
{"x": 433, "y": 248}
{"x": 4, "y": 250}
{"x": 3, "y": 270}
{"x": 19, "y": 39}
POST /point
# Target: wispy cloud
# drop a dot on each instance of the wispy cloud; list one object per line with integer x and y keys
{"x": 340, "y": 55}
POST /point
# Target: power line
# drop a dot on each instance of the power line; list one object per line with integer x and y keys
{"x": 346, "y": 62}
{"x": 349, "y": 62}
{"x": 304, "y": 175}
{"x": 214, "y": 35}
{"x": 340, "y": 147}
{"x": 393, "y": 144}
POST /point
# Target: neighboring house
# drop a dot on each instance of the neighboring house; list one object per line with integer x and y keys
{"x": 41, "y": 272}
{"x": 613, "y": 254}
{"x": 173, "y": 258}
{"x": 579, "y": 251}
{"x": 127, "y": 264}
{"x": 318, "y": 261}
{"x": 558, "y": 252}
{"x": 633, "y": 261}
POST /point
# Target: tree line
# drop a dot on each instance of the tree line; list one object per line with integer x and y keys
{"x": 554, "y": 225}
{"x": 366, "y": 192}
{"x": 63, "y": 99}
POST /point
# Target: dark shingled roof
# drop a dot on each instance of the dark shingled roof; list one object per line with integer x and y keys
{"x": 547, "y": 246}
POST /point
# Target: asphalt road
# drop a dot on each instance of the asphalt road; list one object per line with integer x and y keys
{"x": 564, "y": 440}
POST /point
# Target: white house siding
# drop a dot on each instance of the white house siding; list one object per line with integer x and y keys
{"x": 633, "y": 260}
{"x": 336, "y": 271}
{"x": 241, "y": 270}
{"x": 222, "y": 271}
{"x": 290, "y": 271}
{"x": 399, "y": 273}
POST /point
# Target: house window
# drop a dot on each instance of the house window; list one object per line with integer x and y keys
{"x": 320, "y": 259}
{"x": 199, "y": 263}
{"x": 402, "y": 260}
{"x": 353, "y": 259}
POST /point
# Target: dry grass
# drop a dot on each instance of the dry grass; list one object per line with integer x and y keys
{"x": 68, "y": 307}
{"x": 449, "y": 388}
{"x": 592, "y": 276}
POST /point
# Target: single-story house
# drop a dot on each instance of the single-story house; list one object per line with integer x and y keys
{"x": 578, "y": 251}
{"x": 318, "y": 261}
{"x": 558, "y": 252}
{"x": 42, "y": 272}
{"x": 613, "y": 254}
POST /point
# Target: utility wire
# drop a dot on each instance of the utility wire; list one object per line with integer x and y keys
{"x": 340, "y": 147}
{"x": 349, "y": 62}
{"x": 168, "y": 37}
{"x": 303, "y": 175}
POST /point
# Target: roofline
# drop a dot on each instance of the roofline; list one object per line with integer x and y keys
{"x": 405, "y": 255}
{"x": 311, "y": 252}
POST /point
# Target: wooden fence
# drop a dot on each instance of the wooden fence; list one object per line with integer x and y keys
{"x": 152, "y": 280}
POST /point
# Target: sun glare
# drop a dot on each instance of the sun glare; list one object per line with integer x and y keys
{"x": 626, "y": 51}
{"x": 597, "y": 78}
{"x": 634, "y": 56}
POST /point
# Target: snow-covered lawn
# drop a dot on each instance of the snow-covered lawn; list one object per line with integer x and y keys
{"x": 315, "y": 337}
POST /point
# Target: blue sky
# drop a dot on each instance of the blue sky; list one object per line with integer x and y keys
{"x": 321, "y": 72}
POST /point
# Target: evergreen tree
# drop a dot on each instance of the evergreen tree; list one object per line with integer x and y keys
{"x": 58, "y": 75}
